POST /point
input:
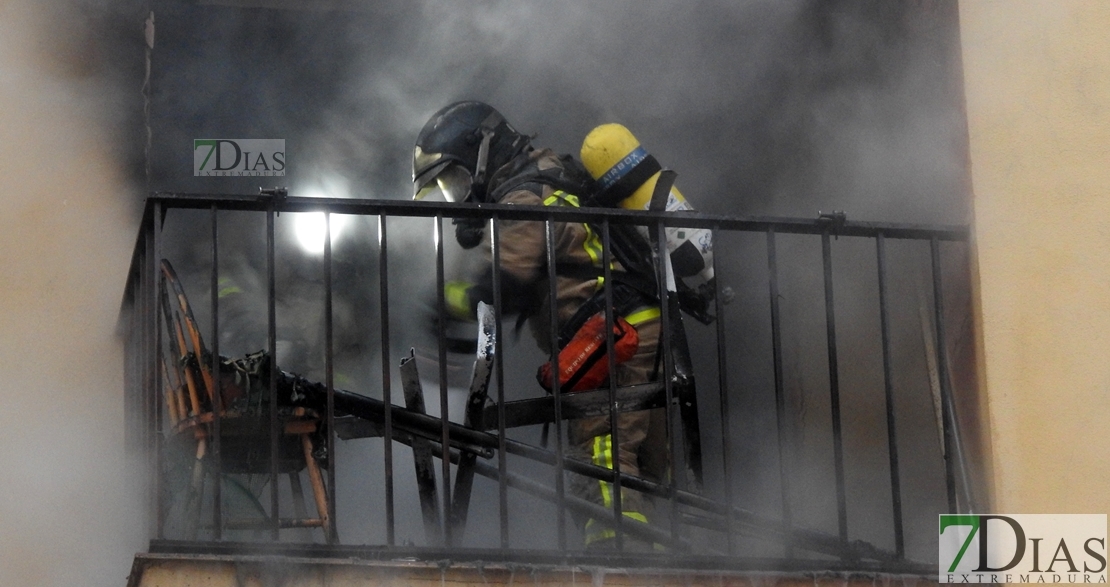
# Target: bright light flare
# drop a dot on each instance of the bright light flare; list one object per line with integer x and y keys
{"x": 311, "y": 230}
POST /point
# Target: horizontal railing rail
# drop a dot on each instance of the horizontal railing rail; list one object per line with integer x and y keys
{"x": 426, "y": 209}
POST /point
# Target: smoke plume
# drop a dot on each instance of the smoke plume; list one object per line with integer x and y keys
{"x": 764, "y": 108}
{"x": 67, "y": 515}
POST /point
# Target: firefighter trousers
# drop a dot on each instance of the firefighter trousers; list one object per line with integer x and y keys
{"x": 641, "y": 435}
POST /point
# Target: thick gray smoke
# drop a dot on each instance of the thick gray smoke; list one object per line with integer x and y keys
{"x": 781, "y": 108}
{"x": 68, "y": 513}
{"x": 763, "y": 107}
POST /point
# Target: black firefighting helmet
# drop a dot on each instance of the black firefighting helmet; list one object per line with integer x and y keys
{"x": 459, "y": 147}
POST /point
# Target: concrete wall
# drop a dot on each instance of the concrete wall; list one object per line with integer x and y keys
{"x": 1037, "y": 77}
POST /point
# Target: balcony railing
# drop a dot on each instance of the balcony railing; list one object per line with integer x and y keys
{"x": 819, "y": 415}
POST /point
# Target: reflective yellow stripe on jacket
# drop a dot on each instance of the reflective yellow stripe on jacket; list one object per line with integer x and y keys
{"x": 594, "y": 249}
{"x": 641, "y": 316}
{"x": 592, "y": 243}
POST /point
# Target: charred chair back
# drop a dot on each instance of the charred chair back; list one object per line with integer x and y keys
{"x": 219, "y": 413}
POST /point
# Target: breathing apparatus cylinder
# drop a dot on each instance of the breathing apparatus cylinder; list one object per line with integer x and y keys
{"x": 627, "y": 175}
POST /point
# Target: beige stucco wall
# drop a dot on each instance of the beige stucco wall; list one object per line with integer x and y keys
{"x": 1037, "y": 77}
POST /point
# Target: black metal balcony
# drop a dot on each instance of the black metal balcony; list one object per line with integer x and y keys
{"x": 852, "y": 486}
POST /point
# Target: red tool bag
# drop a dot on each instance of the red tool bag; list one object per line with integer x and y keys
{"x": 583, "y": 362}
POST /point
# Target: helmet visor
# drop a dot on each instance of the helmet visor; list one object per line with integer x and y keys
{"x": 424, "y": 182}
{"x": 452, "y": 181}
{"x": 455, "y": 183}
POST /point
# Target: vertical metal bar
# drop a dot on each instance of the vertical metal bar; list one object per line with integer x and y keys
{"x": 147, "y": 382}
{"x": 780, "y": 393}
{"x": 561, "y": 521}
{"x": 132, "y": 379}
{"x": 153, "y": 370}
{"x": 142, "y": 367}
{"x": 149, "y": 379}
{"x": 217, "y": 403}
{"x": 722, "y": 385}
{"x": 144, "y": 360}
{"x": 888, "y": 388}
{"x": 131, "y": 429}
{"x": 445, "y": 456}
{"x": 135, "y": 418}
{"x": 271, "y": 345}
{"x": 834, "y": 387}
{"x": 156, "y": 288}
{"x": 387, "y": 390}
{"x": 945, "y": 387}
{"x": 499, "y": 370}
{"x": 660, "y": 249}
{"x": 614, "y": 428}
{"x": 329, "y": 376}
{"x": 148, "y": 337}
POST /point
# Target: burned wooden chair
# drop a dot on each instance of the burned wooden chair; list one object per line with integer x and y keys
{"x": 233, "y": 398}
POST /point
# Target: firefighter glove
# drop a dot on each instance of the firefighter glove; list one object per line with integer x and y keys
{"x": 456, "y": 297}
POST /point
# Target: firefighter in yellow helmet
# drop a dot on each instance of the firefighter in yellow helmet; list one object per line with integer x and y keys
{"x": 469, "y": 152}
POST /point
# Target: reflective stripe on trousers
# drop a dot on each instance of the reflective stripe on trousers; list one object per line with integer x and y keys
{"x": 603, "y": 457}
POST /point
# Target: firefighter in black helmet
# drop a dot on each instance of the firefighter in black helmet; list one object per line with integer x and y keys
{"x": 459, "y": 146}
{"x": 456, "y": 151}
{"x": 469, "y": 152}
